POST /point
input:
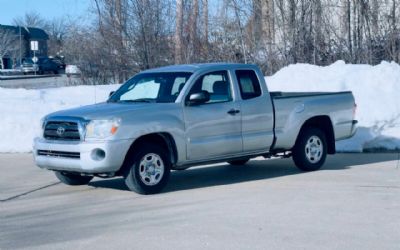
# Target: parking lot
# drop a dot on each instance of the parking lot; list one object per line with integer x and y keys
{"x": 352, "y": 203}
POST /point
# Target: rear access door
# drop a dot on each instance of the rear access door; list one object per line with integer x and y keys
{"x": 257, "y": 112}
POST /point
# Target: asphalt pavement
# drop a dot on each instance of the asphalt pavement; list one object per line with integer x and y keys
{"x": 352, "y": 203}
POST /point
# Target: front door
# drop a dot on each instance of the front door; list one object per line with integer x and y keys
{"x": 213, "y": 129}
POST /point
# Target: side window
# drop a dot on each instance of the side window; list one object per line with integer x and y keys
{"x": 178, "y": 85}
{"x": 216, "y": 84}
{"x": 248, "y": 83}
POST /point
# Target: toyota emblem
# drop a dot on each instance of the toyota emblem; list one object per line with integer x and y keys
{"x": 60, "y": 131}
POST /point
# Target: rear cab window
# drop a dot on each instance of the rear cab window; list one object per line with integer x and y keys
{"x": 249, "y": 84}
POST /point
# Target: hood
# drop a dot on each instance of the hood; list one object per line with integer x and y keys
{"x": 103, "y": 110}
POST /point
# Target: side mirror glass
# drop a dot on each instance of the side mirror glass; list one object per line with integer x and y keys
{"x": 198, "y": 98}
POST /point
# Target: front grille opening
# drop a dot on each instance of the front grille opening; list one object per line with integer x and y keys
{"x": 55, "y": 130}
{"x": 60, "y": 154}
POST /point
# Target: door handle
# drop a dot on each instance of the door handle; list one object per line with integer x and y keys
{"x": 233, "y": 111}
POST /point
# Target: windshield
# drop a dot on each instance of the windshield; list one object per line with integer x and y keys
{"x": 27, "y": 61}
{"x": 152, "y": 87}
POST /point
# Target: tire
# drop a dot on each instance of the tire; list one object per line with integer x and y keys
{"x": 73, "y": 179}
{"x": 238, "y": 162}
{"x": 148, "y": 170}
{"x": 309, "y": 153}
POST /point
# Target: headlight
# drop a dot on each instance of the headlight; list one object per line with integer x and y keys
{"x": 40, "y": 129}
{"x": 101, "y": 129}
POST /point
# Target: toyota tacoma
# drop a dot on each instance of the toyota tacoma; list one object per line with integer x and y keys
{"x": 175, "y": 117}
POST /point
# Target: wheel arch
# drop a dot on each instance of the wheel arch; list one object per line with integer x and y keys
{"x": 323, "y": 123}
{"x": 162, "y": 139}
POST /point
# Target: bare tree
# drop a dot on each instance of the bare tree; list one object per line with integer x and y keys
{"x": 131, "y": 35}
{"x": 318, "y": 35}
{"x": 57, "y": 29}
{"x": 8, "y": 44}
{"x": 30, "y": 19}
{"x": 192, "y": 47}
{"x": 178, "y": 32}
{"x": 205, "y": 26}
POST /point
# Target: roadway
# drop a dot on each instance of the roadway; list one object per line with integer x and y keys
{"x": 352, "y": 203}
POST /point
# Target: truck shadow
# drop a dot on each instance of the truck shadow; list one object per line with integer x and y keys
{"x": 225, "y": 174}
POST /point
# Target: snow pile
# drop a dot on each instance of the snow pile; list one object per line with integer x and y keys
{"x": 376, "y": 90}
{"x": 21, "y": 110}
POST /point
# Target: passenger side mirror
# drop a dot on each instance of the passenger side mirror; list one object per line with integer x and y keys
{"x": 111, "y": 93}
{"x": 198, "y": 98}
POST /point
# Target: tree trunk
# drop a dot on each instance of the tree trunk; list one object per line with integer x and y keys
{"x": 318, "y": 38}
{"x": 292, "y": 29}
{"x": 257, "y": 24}
{"x": 178, "y": 32}
{"x": 269, "y": 22}
{"x": 193, "y": 32}
{"x": 375, "y": 17}
{"x": 205, "y": 20}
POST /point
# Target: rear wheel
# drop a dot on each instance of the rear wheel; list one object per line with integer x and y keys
{"x": 149, "y": 170}
{"x": 73, "y": 179}
{"x": 309, "y": 153}
{"x": 238, "y": 162}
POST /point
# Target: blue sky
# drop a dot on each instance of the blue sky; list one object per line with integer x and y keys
{"x": 48, "y": 9}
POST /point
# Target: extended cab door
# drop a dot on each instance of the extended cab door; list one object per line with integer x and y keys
{"x": 257, "y": 112}
{"x": 213, "y": 128}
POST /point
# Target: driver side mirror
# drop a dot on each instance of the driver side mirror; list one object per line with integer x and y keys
{"x": 198, "y": 98}
{"x": 111, "y": 93}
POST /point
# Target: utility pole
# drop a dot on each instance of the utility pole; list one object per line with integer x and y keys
{"x": 20, "y": 47}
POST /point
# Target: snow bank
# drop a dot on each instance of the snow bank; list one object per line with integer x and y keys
{"x": 375, "y": 88}
{"x": 21, "y": 110}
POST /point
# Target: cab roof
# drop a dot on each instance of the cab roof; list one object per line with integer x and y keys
{"x": 200, "y": 67}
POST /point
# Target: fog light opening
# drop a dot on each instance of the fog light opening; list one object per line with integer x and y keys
{"x": 98, "y": 154}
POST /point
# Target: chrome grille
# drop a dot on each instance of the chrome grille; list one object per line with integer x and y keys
{"x": 62, "y": 154}
{"x": 56, "y": 130}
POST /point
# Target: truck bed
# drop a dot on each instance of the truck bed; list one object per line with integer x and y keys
{"x": 292, "y": 109}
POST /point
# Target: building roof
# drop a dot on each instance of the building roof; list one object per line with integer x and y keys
{"x": 36, "y": 33}
{"x": 30, "y": 33}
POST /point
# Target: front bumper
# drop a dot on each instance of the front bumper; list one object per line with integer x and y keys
{"x": 30, "y": 69}
{"x": 59, "y": 155}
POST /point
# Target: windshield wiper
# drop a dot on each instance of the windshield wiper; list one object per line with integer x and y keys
{"x": 147, "y": 100}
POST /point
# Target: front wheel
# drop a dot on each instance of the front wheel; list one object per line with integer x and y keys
{"x": 149, "y": 170}
{"x": 73, "y": 179}
{"x": 309, "y": 153}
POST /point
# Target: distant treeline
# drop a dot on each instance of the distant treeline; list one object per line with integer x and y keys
{"x": 126, "y": 36}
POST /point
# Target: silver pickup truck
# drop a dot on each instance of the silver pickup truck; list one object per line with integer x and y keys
{"x": 175, "y": 117}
